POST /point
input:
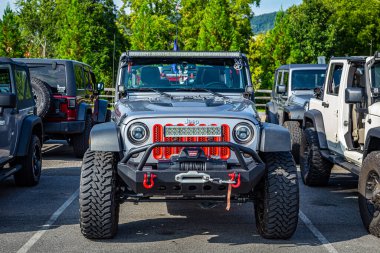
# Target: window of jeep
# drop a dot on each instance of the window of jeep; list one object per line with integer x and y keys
{"x": 375, "y": 75}
{"x": 221, "y": 75}
{"x": 24, "y": 93}
{"x": 5, "y": 79}
{"x": 53, "y": 75}
{"x": 334, "y": 79}
{"x": 308, "y": 79}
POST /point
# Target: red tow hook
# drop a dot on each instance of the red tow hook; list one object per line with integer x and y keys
{"x": 235, "y": 177}
{"x": 148, "y": 182}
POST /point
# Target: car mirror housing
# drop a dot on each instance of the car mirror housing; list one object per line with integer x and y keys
{"x": 281, "y": 89}
{"x": 7, "y": 100}
{"x": 353, "y": 95}
{"x": 100, "y": 87}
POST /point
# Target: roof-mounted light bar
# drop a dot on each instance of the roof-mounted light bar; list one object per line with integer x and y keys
{"x": 180, "y": 54}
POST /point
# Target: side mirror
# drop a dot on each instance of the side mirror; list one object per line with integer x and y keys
{"x": 249, "y": 90}
{"x": 281, "y": 89}
{"x": 353, "y": 95}
{"x": 7, "y": 100}
{"x": 100, "y": 87}
{"x": 121, "y": 88}
{"x": 318, "y": 92}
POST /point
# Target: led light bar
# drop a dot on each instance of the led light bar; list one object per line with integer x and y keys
{"x": 193, "y": 131}
{"x": 182, "y": 54}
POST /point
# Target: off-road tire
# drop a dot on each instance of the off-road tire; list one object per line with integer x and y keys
{"x": 31, "y": 164}
{"x": 276, "y": 200}
{"x": 99, "y": 206}
{"x": 80, "y": 142}
{"x": 295, "y": 137}
{"x": 315, "y": 170}
{"x": 371, "y": 219}
{"x": 42, "y": 96}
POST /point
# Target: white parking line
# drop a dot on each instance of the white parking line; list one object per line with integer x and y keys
{"x": 316, "y": 233}
{"x": 53, "y": 218}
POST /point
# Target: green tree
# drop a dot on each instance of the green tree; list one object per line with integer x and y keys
{"x": 150, "y": 24}
{"x": 37, "y": 20}
{"x": 11, "y": 42}
{"x": 86, "y": 29}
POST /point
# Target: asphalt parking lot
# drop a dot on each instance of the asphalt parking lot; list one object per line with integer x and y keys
{"x": 45, "y": 219}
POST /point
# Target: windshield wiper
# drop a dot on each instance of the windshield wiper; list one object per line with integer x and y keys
{"x": 205, "y": 90}
{"x": 150, "y": 89}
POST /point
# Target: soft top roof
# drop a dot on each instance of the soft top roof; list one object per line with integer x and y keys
{"x": 179, "y": 54}
{"x": 7, "y": 60}
{"x": 302, "y": 66}
{"x": 47, "y": 61}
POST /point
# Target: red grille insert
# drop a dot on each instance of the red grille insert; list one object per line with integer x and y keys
{"x": 157, "y": 137}
{"x": 166, "y": 152}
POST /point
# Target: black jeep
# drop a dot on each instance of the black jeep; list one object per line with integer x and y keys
{"x": 20, "y": 129}
{"x": 64, "y": 91}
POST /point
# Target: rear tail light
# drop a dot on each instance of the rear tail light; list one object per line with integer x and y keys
{"x": 71, "y": 103}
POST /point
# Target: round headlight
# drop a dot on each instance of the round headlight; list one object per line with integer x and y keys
{"x": 243, "y": 133}
{"x": 138, "y": 133}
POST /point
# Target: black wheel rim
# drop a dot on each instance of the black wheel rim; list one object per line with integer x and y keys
{"x": 36, "y": 160}
{"x": 372, "y": 183}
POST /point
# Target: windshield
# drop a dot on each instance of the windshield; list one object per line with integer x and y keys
{"x": 375, "y": 75}
{"x": 307, "y": 79}
{"x": 227, "y": 75}
{"x": 5, "y": 79}
{"x": 55, "y": 77}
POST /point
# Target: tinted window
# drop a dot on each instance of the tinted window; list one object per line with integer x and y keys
{"x": 24, "y": 93}
{"x": 54, "y": 77}
{"x": 79, "y": 77}
{"x": 5, "y": 79}
{"x": 279, "y": 77}
{"x": 307, "y": 79}
{"x": 21, "y": 84}
{"x": 224, "y": 75}
{"x": 335, "y": 79}
{"x": 285, "y": 80}
{"x": 375, "y": 75}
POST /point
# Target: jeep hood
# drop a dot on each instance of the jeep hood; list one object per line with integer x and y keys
{"x": 163, "y": 107}
{"x": 300, "y": 99}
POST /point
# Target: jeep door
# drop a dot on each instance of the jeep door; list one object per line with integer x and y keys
{"x": 7, "y": 118}
{"x": 332, "y": 103}
{"x": 281, "y": 98}
{"x": 25, "y": 101}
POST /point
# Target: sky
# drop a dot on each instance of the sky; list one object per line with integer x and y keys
{"x": 266, "y": 6}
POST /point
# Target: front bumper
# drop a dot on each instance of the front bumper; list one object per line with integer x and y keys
{"x": 176, "y": 181}
{"x": 65, "y": 127}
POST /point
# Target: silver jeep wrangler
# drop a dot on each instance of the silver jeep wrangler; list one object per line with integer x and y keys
{"x": 185, "y": 128}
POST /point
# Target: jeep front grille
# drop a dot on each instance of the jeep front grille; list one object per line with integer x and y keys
{"x": 164, "y": 153}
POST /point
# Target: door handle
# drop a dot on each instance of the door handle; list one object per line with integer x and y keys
{"x": 325, "y": 104}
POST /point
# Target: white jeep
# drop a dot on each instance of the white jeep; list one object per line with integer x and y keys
{"x": 342, "y": 127}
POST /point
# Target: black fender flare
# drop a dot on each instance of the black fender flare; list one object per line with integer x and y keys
{"x": 372, "y": 141}
{"x": 32, "y": 124}
{"x": 105, "y": 137}
{"x": 100, "y": 110}
{"x": 294, "y": 112}
{"x": 83, "y": 109}
{"x": 271, "y": 112}
{"x": 274, "y": 138}
{"x": 316, "y": 119}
